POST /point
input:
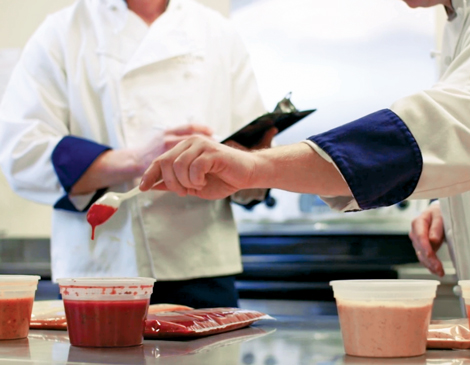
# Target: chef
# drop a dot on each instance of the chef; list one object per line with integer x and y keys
{"x": 419, "y": 148}
{"x": 101, "y": 89}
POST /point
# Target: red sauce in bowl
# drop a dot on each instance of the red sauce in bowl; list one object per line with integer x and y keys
{"x": 106, "y": 323}
{"x": 98, "y": 214}
{"x": 15, "y": 314}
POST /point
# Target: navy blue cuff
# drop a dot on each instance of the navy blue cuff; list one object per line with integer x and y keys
{"x": 255, "y": 202}
{"x": 378, "y": 157}
{"x": 64, "y": 203}
{"x": 71, "y": 158}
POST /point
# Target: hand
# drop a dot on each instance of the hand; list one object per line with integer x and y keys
{"x": 265, "y": 142}
{"x": 201, "y": 167}
{"x": 166, "y": 141}
{"x": 427, "y": 236}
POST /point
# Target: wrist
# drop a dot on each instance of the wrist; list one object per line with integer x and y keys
{"x": 122, "y": 164}
{"x": 262, "y": 172}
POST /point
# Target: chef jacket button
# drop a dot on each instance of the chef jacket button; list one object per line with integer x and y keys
{"x": 147, "y": 203}
{"x": 131, "y": 114}
{"x": 448, "y": 60}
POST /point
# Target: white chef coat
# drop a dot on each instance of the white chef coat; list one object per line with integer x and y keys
{"x": 94, "y": 76}
{"x": 456, "y": 208}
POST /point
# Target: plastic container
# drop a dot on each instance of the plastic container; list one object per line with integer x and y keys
{"x": 106, "y": 312}
{"x": 465, "y": 288}
{"x": 16, "y": 303}
{"x": 384, "y": 318}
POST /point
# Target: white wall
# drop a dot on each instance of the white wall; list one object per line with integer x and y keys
{"x": 20, "y": 218}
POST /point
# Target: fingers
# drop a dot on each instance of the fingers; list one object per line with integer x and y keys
{"x": 161, "y": 168}
{"x": 267, "y": 139}
{"x": 172, "y": 140}
{"x": 436, "y": 231}
{"x": 425, "y": 251}
{"x": 236, "y": 145}
{"x": 174, "y": 167}
{"x": 190, "y": 129}
{"x": 151, "y": 176}
{"x": 184, "y": 165}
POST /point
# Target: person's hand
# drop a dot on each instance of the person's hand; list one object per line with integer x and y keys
{"x": 427, "y": 236}
{"x": 166, "y": 141}
{"x": 202, "y": 167}
{"x": 265, "y": 142}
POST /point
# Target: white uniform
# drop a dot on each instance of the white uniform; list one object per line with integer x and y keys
{"x": 417, "y": 149}
{"x": 455, "y": 58}
{"x": 96, "y": 71}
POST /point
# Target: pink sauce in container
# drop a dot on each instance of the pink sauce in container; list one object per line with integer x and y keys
{"x": 384, "y": 318}
{"x": 16, "y": 303}
{"x": 106, "y": 312}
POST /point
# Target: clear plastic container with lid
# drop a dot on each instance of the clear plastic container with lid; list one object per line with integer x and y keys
{"x": 16, "y": 303}
{"x": 465, "y": 288}
{"x": 106, "y": 312}
{"x": 384, "y": 318}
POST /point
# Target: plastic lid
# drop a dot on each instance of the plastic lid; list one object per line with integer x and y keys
{"x": 101, "y": 282}
{"x": 392, "y": 289}
{"x": 465, "y": 286}
{"x": 106, "y": 289}
{"x": 17, "y": 279}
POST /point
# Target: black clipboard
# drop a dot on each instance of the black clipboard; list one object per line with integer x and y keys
{"x": 253, "y": 132}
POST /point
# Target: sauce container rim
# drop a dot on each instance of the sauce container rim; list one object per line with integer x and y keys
{"x": 5, "y": 279}
{"x": 386, "y": 284}
{"x": 105, "y": 282}
{"x": 384, "y": 289}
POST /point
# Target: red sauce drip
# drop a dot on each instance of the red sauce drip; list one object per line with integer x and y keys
{"x": 98, "y": 214}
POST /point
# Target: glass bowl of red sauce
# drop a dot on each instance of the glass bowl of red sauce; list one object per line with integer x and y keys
{"x": 384, "y": 318}
{"x": 16, "y": 303}
{"x": 106, "y": 312}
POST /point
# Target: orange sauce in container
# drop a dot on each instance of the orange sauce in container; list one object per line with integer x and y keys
{"x": 15, "y": 315}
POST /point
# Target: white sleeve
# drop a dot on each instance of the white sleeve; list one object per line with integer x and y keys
{"x": 438, "y": 119}
{"x": 341, "y": 203}
{"x": 33, "y": 117}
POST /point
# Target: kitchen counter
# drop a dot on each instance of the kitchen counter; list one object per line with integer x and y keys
{"x": 284, "y": 341}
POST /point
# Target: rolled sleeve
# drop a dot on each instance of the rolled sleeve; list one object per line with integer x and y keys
{"x": 377, "y": 156}
{"x": 71, "y": 158}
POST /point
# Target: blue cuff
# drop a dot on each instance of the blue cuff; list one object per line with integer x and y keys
{"x": 268, "y": 199}
{"x": 71, "y": 158}
{"x": 377, "y": 155}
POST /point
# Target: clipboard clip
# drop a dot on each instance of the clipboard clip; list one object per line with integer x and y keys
{"x": 285, "y": 105}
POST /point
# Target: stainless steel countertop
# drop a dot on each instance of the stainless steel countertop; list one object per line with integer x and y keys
{"x": 369, "y": 226}
{"x": 285, "y": 341}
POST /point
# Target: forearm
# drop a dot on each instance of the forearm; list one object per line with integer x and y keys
{"x": 112, "y": 167}
{"x": 297, "y": 168}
